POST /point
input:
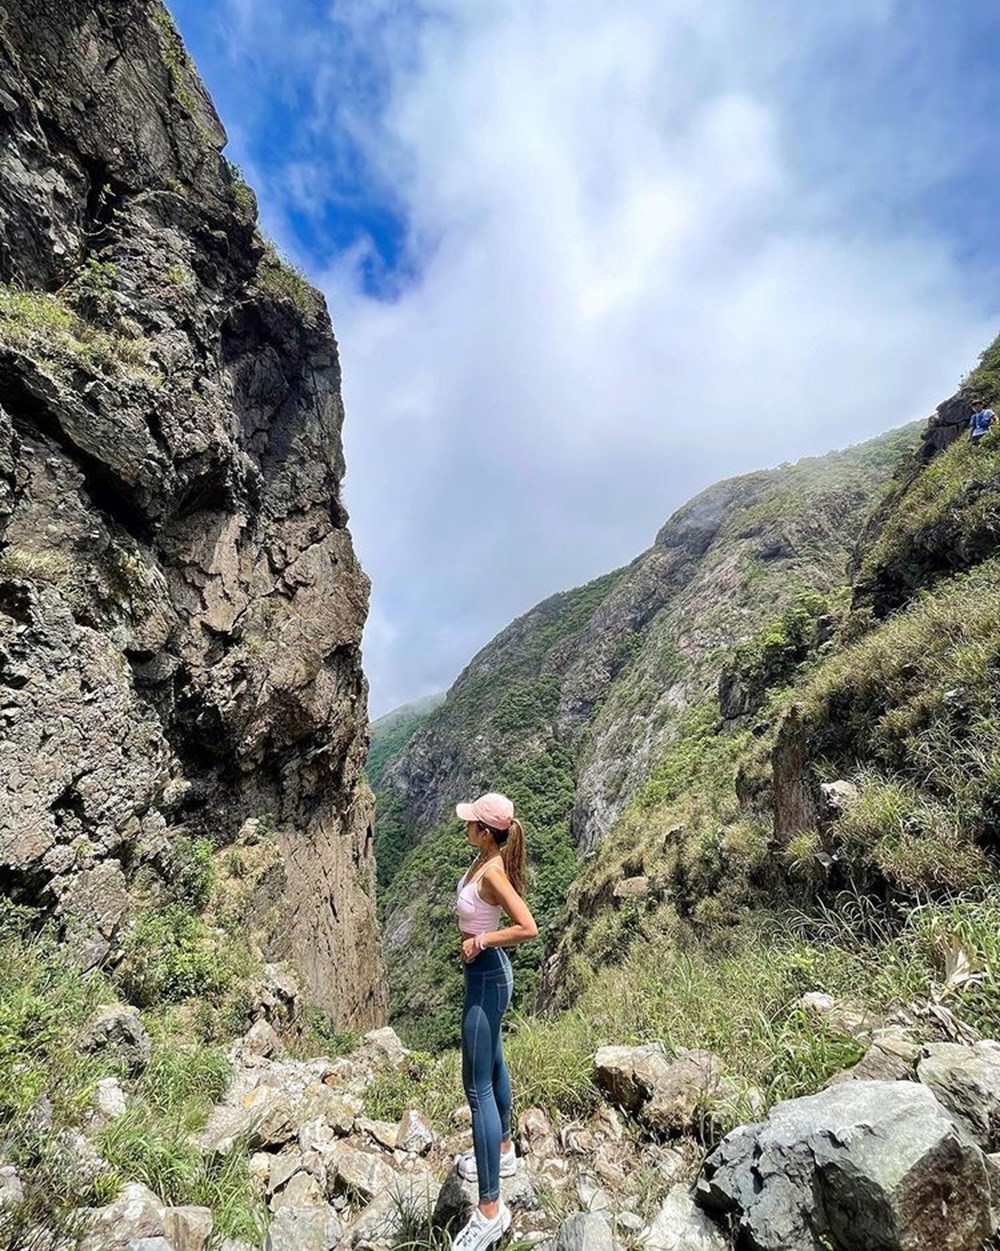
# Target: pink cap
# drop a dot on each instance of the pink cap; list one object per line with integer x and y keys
{"x": 493, "y": 810}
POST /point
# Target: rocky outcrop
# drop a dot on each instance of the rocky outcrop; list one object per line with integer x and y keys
{"x": 180, "y": 604}
{"x": 878, "y": 1165}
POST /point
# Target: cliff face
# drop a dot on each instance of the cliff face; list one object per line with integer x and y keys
{"x": 180, "y": 604}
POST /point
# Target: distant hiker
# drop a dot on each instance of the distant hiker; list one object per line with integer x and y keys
{"x": 980, "y": 422}
{"x": 494, "y": 881}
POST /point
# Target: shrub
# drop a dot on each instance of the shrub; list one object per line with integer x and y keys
{"x": 171, "y": 955}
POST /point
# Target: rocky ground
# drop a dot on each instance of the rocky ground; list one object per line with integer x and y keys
{"x": 896, "y": 1154}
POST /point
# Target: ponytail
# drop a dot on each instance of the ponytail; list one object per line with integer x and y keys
{"x": 512, "y": 850}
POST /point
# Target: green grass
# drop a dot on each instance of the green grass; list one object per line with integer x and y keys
{"x": 44, "y": 1006}
{"x": 278, "y": 277}
{"x": 983, "y": 383}
{"x": 171, "y": 954}
{"x": 179, "y": 69}
{"x": 736, "y": 993}
{"x": 944, "y": 518}
{"x": 37, "y": 323}
{"x": 430, "y": 1084}
{"x": 151, "y": 1142}
{"x": 246, "y": 201}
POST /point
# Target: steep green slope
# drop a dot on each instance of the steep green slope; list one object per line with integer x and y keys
{"x": 737, "y": 825}
{"x": 569, "y": 708}
{"x": 389, "y": 737}
{"x": 390, "y": 734}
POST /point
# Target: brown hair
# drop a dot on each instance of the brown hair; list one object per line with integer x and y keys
{"x": 511, "y": 844}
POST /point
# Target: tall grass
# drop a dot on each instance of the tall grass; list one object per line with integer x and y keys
{"x": 44, "y": 1007}
{"x": 738, "y": 995}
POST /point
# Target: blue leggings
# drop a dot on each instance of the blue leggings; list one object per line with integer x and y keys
{"x": 489, "y": 981}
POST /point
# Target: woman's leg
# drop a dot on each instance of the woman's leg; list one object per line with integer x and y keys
{"x": 479, "y": 1036}
{"x": 501, "y": 1090}
{"x": 501, "y": 1078}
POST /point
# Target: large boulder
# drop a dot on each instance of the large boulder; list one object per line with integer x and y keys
{"x": 967, "y": 1081}
{"x": 137, "y": 1218}
{"x": 584, "y": 1231}
{"x": 864, "y": 1166}
{"x": 666, "y": 1095}
{"x": 304, "y": 1229}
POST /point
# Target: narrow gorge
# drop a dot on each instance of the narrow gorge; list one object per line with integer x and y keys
{"x": 757, "y": 767}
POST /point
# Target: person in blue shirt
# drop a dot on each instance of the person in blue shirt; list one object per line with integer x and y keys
{"x": 980, "y": 422}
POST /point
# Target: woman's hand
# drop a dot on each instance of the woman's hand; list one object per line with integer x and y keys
{"x": 469, "y": 950}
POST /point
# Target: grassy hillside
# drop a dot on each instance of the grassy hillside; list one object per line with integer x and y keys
{"x": 732, "y": 831}
{"x": 573, "y": 704}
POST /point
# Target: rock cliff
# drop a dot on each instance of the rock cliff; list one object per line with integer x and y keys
{"x": 180, "y": 604}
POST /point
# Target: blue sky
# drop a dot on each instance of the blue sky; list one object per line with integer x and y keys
{"x": 584, "y": 259}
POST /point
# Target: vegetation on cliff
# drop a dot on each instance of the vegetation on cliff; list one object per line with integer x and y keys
{"x": 576, "y": 706}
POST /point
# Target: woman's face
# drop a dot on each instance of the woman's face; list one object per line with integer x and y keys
{"x": 472, "y": 833}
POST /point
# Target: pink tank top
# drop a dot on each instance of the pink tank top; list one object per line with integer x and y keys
{"x": 475, "y": 915}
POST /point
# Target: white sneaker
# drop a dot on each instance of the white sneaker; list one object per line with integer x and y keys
{"x": 466, "y": 1164}
{"x": 481, "y": 1232}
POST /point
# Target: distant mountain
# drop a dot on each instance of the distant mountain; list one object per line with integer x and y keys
{"x": 391, "y": 732}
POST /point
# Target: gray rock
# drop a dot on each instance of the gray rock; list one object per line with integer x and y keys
{"x": 630, "y": 887}
{"x": 82, "y": 1159}
{"x": 360, "y": 1172}
{"x": 118, "y": 1029}
{"x": 110, "y": 1100}
{"x": 863, "y": 1166}
{"x": 838, "y": 796}
{"x": 175, "y": 563}
{"x": 188, "y": 1228}
{"x": 585, "y": 1231}
{"x": 966, "y": 1080}
{"x": 384, "y": 1043}
{"x": 302, "y": 1190}
{"x": 681, "y": 1226}
{"x": 666, "y": 1095}
{"x": 304, "y": 1229}
{"x": 410, "y": 1199}
{"x": 890, "y": 1058}
{"x": 11, "y": 1188}
{"x": 136, "y": 1213}
{"x": 629, "y": 1221}
{"x": 382, "y": 1132}
{"x": 536, "y": 1134}
{"x": 151, "y": 1244}
{"x": 839, "y": 1016}
{"x": 591, "y": 1195}
{"x": 414, "y": 1134}
{"x": 259, "y": 1040}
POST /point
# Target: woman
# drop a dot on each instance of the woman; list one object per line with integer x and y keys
{"x": 494, "y": 881}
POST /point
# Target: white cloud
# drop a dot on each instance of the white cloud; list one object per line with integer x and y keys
{"x": 630, "y": 282}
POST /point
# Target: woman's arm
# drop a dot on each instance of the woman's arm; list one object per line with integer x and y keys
{"x": 499, "y": 891}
